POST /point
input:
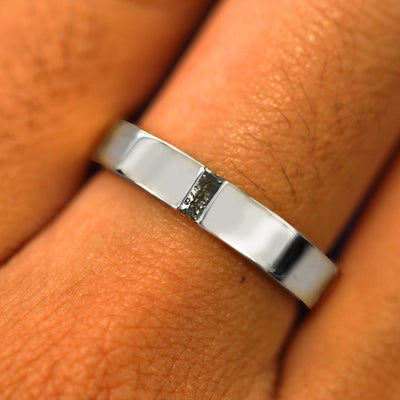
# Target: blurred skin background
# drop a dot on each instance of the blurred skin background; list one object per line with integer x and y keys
{"x": 108, "y": 294}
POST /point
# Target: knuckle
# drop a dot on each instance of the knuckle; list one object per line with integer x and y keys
{"x": 117, "y": 339}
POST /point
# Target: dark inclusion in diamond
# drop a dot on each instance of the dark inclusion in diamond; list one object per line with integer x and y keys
{"x": 200, "y": 195}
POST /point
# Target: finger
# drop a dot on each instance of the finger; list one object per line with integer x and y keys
{"x": 165, "y": 313}
{"x": 68, "y": 69}
{"x": 350, "y": 348}
{"x": 168, "y": 296}
{"x": 288, "y": 113}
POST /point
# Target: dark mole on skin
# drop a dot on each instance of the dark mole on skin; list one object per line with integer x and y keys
{"x": 242, "y": 279}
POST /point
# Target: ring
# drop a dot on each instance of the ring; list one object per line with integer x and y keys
{"x": 220, "y": 208}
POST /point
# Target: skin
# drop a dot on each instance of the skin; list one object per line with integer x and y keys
{"x": 116, "y": 296}
{"x": 69, "y": 70}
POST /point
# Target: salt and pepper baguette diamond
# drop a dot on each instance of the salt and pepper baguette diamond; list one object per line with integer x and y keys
{"x": 220, "y": 208}
{"x": 200, "y": 195}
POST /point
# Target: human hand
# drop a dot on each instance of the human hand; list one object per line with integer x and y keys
{"x": 115, "y": 296}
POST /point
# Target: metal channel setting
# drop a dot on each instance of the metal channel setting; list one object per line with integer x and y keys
{"x": 220, "y": 208}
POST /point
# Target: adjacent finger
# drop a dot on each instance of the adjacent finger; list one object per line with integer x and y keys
{"x": 350, "y": 348}
{"x": 67, "y": 70}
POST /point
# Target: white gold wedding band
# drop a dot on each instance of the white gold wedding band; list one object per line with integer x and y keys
{"x": 220, "y": 208}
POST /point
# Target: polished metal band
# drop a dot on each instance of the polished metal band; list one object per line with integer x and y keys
{"x": 220, "y": 208}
